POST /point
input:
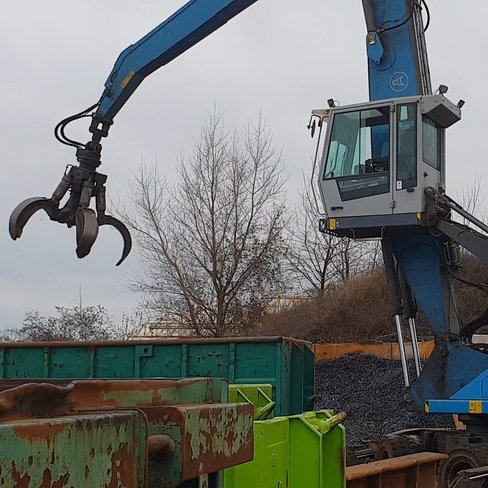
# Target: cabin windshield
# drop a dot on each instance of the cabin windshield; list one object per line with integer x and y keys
{"x": 358, "y": 155}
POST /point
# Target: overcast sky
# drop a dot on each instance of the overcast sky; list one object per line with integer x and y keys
{"x": 283, "y": 57}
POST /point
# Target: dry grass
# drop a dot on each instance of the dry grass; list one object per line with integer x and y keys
{"x": 472, "y": 302}
{"x": 355, "y": 310}
{"x": 358, "y": 311}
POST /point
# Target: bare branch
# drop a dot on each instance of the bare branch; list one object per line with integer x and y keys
{"x": 212, "y": 245}
{"x": 318, "y": 260}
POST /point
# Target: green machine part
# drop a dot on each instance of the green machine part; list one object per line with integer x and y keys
{"x": 259, "y": 395}
{"x": 306, "y": 450}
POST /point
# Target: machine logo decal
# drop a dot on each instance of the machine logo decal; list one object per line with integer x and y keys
{"x": 399, "y": 81}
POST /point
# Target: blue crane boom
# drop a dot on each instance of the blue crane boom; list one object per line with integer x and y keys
{"x": 397, "y": 55}
{"x": 185, "y": 28}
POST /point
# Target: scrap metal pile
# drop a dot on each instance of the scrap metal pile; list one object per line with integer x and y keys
{"x": 369, "y": 389}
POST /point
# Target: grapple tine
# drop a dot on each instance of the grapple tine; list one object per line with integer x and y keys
{"x": 117, "y": 224}
{"x": 24, "y": 211}
{"x": 86, "y": 231}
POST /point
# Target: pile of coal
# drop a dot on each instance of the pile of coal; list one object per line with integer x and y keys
{"x": 370, "y": 390}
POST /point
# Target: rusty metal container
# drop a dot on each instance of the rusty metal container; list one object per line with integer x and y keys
{"x": 286, "y": 364}
{"x": 121, "y": 433}
{"x": 412, "y": 471}
{"x": 91, "y": 449}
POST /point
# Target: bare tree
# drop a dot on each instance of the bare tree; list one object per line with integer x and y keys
{"x": 211, "y": 246}
{"x": 352, "y": 258}
{"x": 472, "y": 196}
{"x": 80, "y": 323}
{"x": 310, "y": 253}
{"x": 318, "y": 259}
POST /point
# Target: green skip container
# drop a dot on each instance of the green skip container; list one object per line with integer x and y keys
{"x": 299, "y": 451}
{"x": 287, "y": 364}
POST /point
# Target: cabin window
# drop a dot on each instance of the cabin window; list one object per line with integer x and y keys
{"x": 358, "y": 155}
{"x": 431, "y": 143}
{"x": 406, "y": 163}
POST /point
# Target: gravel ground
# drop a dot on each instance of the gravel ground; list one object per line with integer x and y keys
{"x": 369, "y": 389}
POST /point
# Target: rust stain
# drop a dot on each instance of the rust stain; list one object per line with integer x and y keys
{"x": 231, "y": 437}
{"x": 212, "y": 447}
{"x": 217, "y": 441}
{"x": 43, "y": 430}
{"x": 19, "y": 480}
{"x": 47, "y": 481}
{"x": 394, "y": 465}
{"x": 208, "y": 437}
{"x": 34, "y": 399}
{"x": 31, "y": 399}
{"x": 122, "y": 469}
{"x": 97, "y": 394}
{"x": 61, "y": 482}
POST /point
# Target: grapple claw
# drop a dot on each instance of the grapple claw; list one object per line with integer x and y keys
{"x": 26, "y": 209}
{"x": 86, "y": 231}
{"x": 109, "y": 220}
{"x": 83, "y": 183}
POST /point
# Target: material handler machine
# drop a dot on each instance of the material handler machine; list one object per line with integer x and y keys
{"x": 382, "y": 176}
